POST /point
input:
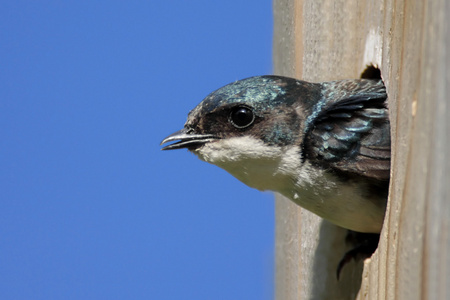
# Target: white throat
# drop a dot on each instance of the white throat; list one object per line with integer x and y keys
{"x": 256, "y": 164}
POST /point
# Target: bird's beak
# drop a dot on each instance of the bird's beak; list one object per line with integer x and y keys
{"x": 187, "y": 138}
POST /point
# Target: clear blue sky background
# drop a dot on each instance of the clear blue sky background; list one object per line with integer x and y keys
{"x": 90, "y": 207}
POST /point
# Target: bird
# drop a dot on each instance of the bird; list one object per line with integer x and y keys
{"x": 325, "y": 146}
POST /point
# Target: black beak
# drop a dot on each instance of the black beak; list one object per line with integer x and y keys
{"x": 187, "y": 138}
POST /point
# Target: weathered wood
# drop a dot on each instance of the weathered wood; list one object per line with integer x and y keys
{"x": 408, "y": 40}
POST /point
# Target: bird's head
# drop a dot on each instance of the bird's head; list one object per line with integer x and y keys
{"x": 249, "y": 127}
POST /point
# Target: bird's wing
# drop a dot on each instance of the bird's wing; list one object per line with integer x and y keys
{"x": 352, "y": 135}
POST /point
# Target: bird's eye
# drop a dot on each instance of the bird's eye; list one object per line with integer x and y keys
{"x": 241, "y": 117}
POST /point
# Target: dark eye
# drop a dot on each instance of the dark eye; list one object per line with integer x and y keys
{"x": 241, "y": 117}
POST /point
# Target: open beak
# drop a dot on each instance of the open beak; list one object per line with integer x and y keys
{"x": 187, "y": 138}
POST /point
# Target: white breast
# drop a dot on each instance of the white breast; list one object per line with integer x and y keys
{"x": 280, "y": 169}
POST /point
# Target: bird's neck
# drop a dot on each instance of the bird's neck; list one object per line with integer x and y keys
{"x": 258, "y": 165}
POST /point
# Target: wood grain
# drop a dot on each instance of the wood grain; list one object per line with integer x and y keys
{"x": 408, "y": 40}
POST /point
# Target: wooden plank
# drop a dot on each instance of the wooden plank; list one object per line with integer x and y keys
{"x": 327, "y": 40}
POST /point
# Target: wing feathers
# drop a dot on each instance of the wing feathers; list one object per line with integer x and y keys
{"x": 352, "y": 134}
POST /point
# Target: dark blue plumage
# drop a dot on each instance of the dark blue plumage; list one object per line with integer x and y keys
{"x": 351, "y": 132}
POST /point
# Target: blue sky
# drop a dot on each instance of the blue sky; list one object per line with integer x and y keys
{"x": 90, "y": 207}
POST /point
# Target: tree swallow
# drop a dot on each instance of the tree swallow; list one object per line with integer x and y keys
{"x": 325, "y": 146}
